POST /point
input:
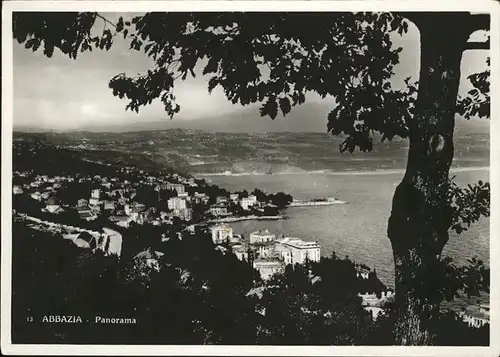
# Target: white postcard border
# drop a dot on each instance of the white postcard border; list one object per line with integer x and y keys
{"x": 491, "y": 7}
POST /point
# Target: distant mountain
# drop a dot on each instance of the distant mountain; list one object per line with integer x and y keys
{"x": 310, "y": 117}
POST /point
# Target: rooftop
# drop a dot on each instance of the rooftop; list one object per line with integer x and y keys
{"x": 478, "y": 312}
{"x": 263, "y": 233}
{"x": 86, "y": 214}
{"x": 298, "y": 243}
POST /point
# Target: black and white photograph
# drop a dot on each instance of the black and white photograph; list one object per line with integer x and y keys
{"x": 214, "y": 175}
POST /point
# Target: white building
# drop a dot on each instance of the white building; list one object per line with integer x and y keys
{"x": 200, "y": 197}
{"x": 95, "y": 194}
{"x": 219, "y": 210}
{"x": 17, "y": 190}
{"x": 221, "y": 233}
{"x": 283, "y": 253}
{"x": 247, "y": 202}
{"x": 222, "y": 199}
{"x": 240, "y": 252}
{"x": 301, "y": 250}
{"x": 476, "y": 316}
{"x": 374, "y": 311}
{"x": 94, "y": 197}
{"x": 54, "y": 209}
{"x": 113, "y": 246}
{"x": 262, "y": 237}
{"x": 234, "y": 197}
{"x": 267, "y": 268}
{"x": 109, "y": 206}
{"x": 82, "y": 202}
{"x": 36, "y": 196}
{"x": 177, "y": 203}
{"x": 86, "y": 213}
{"x": 185, "y": 214}
{"x": 179, "y": 188}
{"x": 374, "y": 300}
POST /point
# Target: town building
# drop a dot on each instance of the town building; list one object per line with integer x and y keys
{"x": 222, "y": 199}
{"x": 17, "y": 190}
{"x": 179, "y": 188}
{"x": 185, "y": 214}
{"x": 262, "y": 237}
{"x": 476, "y": 315}
{"x": 301, "y": 250}
{"x": 122, "y": 221}
{"x": 200, "y": 197}
{"x": 86, "y": 213}
{"x": 129, "y": 208}
{"x": 264, "y": 249}
{"x": 94, "y": 201}
{"x": 376, "y": 300}
{"x": 283, "y": 253}
{"x": 113, "y": 243}
{"x": 95, "y": 193}
{"x": 221, "y": 233}
{"x": 219, "y": 210}
{"x": 240, "y": 251}
{"x": 82, "y": 239}
{"x": 36, "y": 196}
{"x": 234, "y": 197}
{"x": 267, "y": 267}
{"x": 374, "y": 311}
{"x": 82, "y": 202}
{"x": 52, "y": 206}
{"x": 177, "y": 203}
{"x": 109, "y": 205}
{"x": 247, "y": 202}
{"x": 363, "y": 272}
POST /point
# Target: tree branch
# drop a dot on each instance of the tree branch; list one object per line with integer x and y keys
{"x": 105, "y": 19}
{"x": 477, "y": 45}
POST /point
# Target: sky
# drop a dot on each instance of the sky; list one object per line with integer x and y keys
{"x": 61, "y": 94}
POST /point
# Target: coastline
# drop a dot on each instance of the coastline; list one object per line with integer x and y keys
{"x": 316, "y": 203}
{"x": 247, "y": 218}
{"x": 336, "y": 173}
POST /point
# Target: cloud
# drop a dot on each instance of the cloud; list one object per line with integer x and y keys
{"x": 62, "y": 93}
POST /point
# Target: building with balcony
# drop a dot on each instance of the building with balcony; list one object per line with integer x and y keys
{"x": 301, "y": 250}
{"x": 219, "y": 210}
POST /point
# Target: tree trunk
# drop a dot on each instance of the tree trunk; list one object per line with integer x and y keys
{"x": 420, "y": 217}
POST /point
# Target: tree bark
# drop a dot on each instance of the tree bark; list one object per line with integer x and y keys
{"x": 421, "y": 216}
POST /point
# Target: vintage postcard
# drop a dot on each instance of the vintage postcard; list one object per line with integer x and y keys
{"x": 250, "y": 178}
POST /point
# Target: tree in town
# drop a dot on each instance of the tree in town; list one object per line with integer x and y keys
{"x": 268, "y": 58}
{"x": 281, "y": 199}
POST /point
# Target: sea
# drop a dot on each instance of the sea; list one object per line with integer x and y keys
{"x": 357, "y": 229}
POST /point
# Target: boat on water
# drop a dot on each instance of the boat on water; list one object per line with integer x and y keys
{"x": 317, "y": 202}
